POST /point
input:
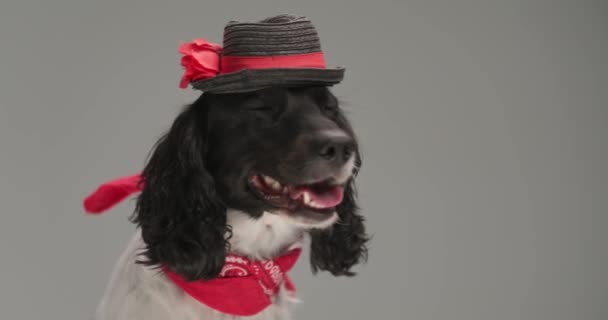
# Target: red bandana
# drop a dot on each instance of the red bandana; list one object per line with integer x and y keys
{"x": 243, "y": 288}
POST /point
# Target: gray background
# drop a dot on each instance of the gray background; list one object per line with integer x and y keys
{"x": 484, "y": 127}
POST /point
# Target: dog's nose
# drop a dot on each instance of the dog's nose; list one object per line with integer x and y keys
{"x": 336, "y": 148}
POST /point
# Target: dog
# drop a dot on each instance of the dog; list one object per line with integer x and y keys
{"x": 248, "y": 174}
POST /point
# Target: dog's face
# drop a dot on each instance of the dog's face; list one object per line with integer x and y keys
{"x": 279, "y": 150}
{"x": 286, "y": 151}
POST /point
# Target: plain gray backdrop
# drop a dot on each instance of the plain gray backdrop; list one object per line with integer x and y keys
{"x": 484, "y": 128}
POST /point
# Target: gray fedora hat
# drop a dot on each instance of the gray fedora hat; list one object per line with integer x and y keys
{"x": 283, "y": 50}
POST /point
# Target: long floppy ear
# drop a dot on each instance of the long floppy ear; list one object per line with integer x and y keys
{"x": 183, "y": 221}
{"x": 343, "y": 245}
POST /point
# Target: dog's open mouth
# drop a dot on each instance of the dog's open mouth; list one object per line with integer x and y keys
{"x": 321, "y": 197}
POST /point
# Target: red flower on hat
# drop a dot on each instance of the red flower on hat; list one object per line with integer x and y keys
{"x": 201, "y": 60}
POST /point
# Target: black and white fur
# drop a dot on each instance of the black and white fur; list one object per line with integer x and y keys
{"x": 197, "y": 203}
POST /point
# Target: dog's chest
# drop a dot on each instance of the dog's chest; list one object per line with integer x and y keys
{"x": 140, "y": 293}
{"x": 262, "y": 238}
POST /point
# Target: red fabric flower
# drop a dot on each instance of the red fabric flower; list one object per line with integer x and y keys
{"x": 201, "y": 60}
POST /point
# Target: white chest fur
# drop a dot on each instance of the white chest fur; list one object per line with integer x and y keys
{"x": 136, "y": 292}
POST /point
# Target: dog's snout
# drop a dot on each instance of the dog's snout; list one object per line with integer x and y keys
{"x": 335, "y": 147}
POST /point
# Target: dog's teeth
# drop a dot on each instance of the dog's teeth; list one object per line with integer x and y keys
{"x": 268, "y": 180}
{"x": 272, "y": 183}
{"x": 306, "y": 198}
{"x": 285, "y": 190}
{"x": 313, "y": 204}
{"x": 276, "y": 185}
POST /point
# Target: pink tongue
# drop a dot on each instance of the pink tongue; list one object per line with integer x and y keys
{"x": 325, "y": 196}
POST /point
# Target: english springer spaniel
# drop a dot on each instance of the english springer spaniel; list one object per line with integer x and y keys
{"x": 240, "y": 178}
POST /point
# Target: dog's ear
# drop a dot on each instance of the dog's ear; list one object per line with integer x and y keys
{"x": 182, "y": 219}
{"x": 343, "y": 245}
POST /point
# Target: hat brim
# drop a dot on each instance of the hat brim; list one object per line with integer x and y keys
{"x": 255, "y": 79}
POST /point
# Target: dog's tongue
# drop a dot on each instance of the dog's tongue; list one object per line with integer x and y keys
{"x": 324, "y": 196}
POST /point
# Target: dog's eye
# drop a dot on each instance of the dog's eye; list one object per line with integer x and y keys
{"x": 329, "y": 105}
{"x": 262, "y": 108}
{"x": 330, "y": 109}
{"x": 259, "y": 105}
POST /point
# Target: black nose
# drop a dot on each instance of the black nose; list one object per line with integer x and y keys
{"x": 336, "y": 148}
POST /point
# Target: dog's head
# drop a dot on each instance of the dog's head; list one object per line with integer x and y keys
{"x": 285, "y": 151}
